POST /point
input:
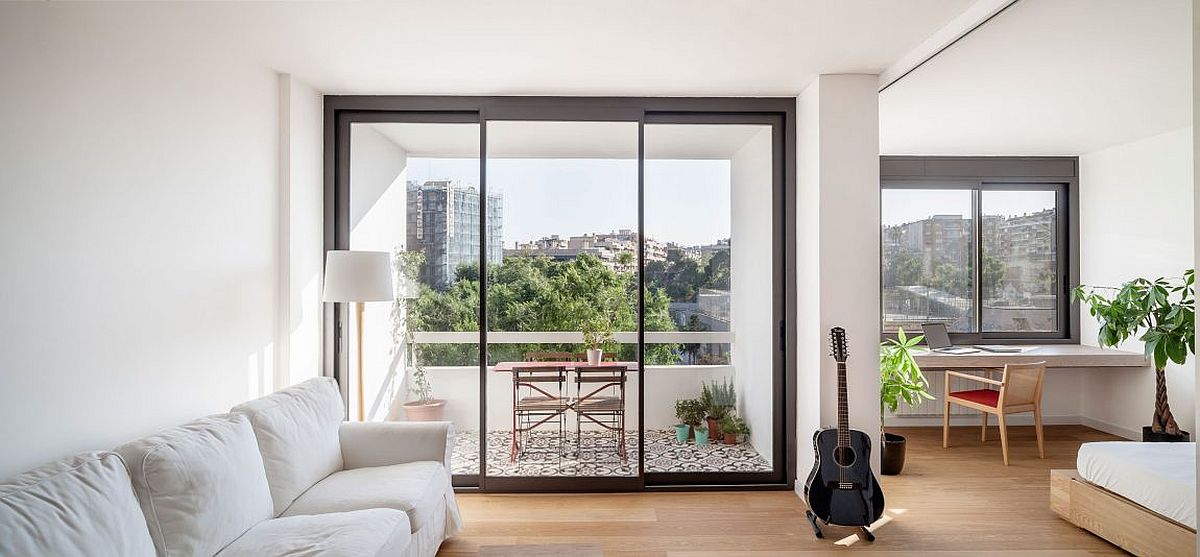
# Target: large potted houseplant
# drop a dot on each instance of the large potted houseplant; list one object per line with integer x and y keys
{"x": 900, "y": 379}
{"x": 424, "y": 408}
{"x": 1163, "y": 311}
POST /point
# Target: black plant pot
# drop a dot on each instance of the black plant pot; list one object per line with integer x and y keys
{"x": 892, "y": 458}
{"x": 1150, "y": 436}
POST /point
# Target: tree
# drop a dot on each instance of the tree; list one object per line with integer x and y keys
{"x": 540, "y": 294}
{"x": 994, "y": 273}
{"x": 903, "y": 268}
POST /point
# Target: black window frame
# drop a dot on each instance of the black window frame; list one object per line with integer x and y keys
{"x": 982, "y": 174}
{"x": 340, "y": 111}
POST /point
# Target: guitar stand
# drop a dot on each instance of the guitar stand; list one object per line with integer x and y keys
{"x": 812, "y": 521}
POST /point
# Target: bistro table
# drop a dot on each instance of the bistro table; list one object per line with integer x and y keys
{"x": 561, "y": 406}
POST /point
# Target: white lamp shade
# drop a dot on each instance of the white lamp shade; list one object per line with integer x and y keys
{"x": 358, "y": 276}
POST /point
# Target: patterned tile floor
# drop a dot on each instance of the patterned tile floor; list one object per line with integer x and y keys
{"x": 545, "y": 455}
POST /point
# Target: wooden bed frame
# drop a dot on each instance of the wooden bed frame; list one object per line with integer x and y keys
{"x": 1122, "y": 522}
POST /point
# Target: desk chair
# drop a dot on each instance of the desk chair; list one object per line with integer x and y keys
{"x": 1019, "y": 390}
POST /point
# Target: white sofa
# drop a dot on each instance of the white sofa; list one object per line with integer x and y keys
{"x": 281, "y": 475}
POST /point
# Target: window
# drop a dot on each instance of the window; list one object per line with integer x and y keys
{"x": 521, "y": 228}
{"x": 988, "y": 255}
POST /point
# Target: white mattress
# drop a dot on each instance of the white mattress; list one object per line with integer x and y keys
{"x": 1158, "y": 476}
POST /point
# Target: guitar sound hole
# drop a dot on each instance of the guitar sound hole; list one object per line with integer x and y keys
{"x": 844, "y": 456}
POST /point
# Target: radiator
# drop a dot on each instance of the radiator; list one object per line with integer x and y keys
{"x": 934, "y": 407}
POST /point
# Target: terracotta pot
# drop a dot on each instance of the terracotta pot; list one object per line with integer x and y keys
{"x": 431, "y": 411}
{"x": 730, "y": 438}
{"x": 714, "y": 428}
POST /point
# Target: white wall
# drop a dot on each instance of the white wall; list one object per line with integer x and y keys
{"x": 378, "y": 208}
{"x": 837, "y": 261}
{"x": 1136, "y": 219}
{"x": 139, "y": 162}
{"x": 301, "y": 218}
{"x": 751, "y": 289}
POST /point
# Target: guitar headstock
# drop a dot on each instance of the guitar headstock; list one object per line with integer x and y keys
{"x": 837, "y": 340}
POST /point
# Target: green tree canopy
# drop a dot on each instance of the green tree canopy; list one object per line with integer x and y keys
{"x": 528, "y": 294}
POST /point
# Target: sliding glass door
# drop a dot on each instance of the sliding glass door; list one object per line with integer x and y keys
{"x": 626, "y": 264}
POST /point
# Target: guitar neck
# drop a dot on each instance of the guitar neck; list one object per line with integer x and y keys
{"x": 843, "y": 408}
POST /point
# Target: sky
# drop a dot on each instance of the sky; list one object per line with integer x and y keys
{"x": 687, "y": 201}
{"x": 905, "y": 205}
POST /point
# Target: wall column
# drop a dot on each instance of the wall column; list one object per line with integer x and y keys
{"x": 837, "y": 221}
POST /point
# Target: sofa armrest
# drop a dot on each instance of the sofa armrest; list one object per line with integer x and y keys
{"x": 367, "y": 444}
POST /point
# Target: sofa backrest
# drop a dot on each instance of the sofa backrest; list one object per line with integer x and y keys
{"x": 82, "y": 505}
{"x": 201, "y": 485}
{"x": 297, "y": 430}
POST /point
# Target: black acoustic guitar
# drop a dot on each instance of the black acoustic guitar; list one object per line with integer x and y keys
{"x": 841, "y": 488}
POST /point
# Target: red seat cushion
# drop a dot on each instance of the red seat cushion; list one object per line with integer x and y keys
{"x": 986, "y": 397}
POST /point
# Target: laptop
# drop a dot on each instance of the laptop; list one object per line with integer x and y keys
{"x": 938, "y": 339}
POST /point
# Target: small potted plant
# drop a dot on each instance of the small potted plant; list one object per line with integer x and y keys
{"x": 1164, "y": 312}
{"x": 719, "y": 400}
{"x": 701, "y": 434}
{"x": 689, "y": 412}
{"x": 900, "y": 379}
{"x": 732, "y": 427}
{"x": 597, "y": 333}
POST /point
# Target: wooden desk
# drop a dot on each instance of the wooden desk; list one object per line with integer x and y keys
{"x": 1055, "y": 356}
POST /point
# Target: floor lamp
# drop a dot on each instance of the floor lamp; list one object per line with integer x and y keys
{"x": 358, "y": 277}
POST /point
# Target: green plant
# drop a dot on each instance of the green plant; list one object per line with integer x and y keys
{"x": 597, "y": 333}
{"x": 1163, "y": 311}
{"x": 900, "y": 378}
{"x": 718, "y": 398}
{"x": 420, "y": 385}
{"x": 407, "y": 265}
{"x": 733, "y": 423}
{"x": 689, "y": 411}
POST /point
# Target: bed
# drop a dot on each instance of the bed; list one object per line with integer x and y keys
{"x": 1139, "y": 496}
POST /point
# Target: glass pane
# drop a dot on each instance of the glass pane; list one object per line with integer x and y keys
{"x": 928, "y": 249}
{"x": 413, "y": 193}
{"x": 568, "y": 265}
{"x": 1020, "y": 261}
{"x": 709, "y": 296}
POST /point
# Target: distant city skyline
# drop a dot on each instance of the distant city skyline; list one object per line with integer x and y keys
{"x": 687, "y": 201}
{"x": 903, "y": 206}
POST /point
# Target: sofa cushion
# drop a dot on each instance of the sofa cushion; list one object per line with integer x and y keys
{"x": 414, "y": 487}
{"x": 352, "y": 534}
{"x": 83, "y": 505}
{"x": 200, "y": 485}
{"x": 297, "y": 430}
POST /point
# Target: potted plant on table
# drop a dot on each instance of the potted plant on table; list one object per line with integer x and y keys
{"x": 689, "y": 412}
{"x": 719, "y": 401}
{"x": 900, "y": 379}
{"x": 597, "y": 333}
{"x": 1164, "y": 312}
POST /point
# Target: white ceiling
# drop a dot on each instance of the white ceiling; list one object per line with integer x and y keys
{"x": 1048, "y": 77}
{"x": 576, "y": 47}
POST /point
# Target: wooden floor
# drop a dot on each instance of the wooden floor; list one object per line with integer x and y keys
{"x": 957, "y": 501}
